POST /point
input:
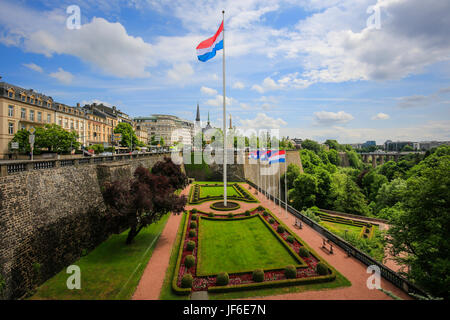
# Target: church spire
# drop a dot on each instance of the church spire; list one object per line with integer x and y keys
{"x": 208, "y": 116}
{"x": 197, "y": 119}
{"x": 231, "y": 124}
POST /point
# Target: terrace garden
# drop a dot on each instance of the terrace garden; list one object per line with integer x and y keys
{"x": 204, "y": 192}
{"x": 224, "y": 253}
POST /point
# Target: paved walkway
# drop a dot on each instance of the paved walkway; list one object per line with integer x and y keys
{"x": 152, "y": 280}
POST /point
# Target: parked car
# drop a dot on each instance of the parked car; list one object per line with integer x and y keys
{"x": 106, "y": 154}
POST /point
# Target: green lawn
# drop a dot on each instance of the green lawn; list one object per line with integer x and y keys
{"x": 111, "y": 271}
{"x": 342, "y": 227}
{"x": 239, "y": 245}
{"x": 217, "y": 191}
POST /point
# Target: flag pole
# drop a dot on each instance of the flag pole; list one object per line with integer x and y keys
{"x": 279, "y": 189}
{"x": 224, "y": 120}
{"x": 285, "y": 186}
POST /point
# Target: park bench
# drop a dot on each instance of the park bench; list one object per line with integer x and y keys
{"x": 298, "y": 223}
{"x": 326, "y": 242}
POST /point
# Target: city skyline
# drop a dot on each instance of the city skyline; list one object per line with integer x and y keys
{"x": 313, "y": 70}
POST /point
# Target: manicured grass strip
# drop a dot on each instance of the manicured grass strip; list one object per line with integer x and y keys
{"x": 109, "y": 272}
{"x": 239, "y": 245}
{"x": 217, "y": 191}
{"x": 166, "y": 291}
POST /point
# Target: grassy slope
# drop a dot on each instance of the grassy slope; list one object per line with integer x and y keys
{"x": 246, "y": 244}
{"x": 110, "y": 271}
{"x": 166, "y": 290}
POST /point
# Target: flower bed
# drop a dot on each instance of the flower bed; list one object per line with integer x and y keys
{"x": 306, "y": 268}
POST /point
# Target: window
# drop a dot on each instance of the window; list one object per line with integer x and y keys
{"x": 28, "y": 99}
{"x": 49, "y": 118}
{"x": 23, "y": 127}
{"x": 60, "y": 121}
{"x": 71, "y": 124}
{"x": 23, "y": 98}
{"x": 66, "y": 123}
{"x": 31, "y": 115}
{"x": 39, "y": 117}
{"x": 11, "y": 128}
{"x": 10, "y": 111}
{"x": 10, "y": 94}
{"x": 23, "y": 113}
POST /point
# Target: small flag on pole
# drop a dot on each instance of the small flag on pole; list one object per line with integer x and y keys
{"x": 277, "y": 156}
{"x": 207, "y": 49}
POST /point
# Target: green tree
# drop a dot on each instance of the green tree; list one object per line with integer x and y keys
{"x": 391, "y": 170}
{"x": 390, "y": 194}
{"x": 303, "y": 195}
{"x": 292, "y": 173}
{"x": 332, "y": 144}
{"x": 129, "y": 138}
{"x": 21, "y": 137}
{"x": 350, "y": 199}
{"x": 418, "y": 233}
{"x": 323, "y": 196}
{"x": 371, "y": 183}
{"x": 333, "y": 157}
{"x": 311, "y": 145}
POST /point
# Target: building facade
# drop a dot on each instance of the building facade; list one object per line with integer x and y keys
{"x": 21, "y": 109}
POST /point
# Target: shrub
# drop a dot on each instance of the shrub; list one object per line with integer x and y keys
{"x": 303, "y": 252}
{"x": 230, "y": 215}
{"x": 290, "y": 272}
{"x": 290, "y": 239}
{"x": 191, "y": 233}
{"x": 265, "y": 213}
{"x": 190, "y": 245}
{"x": 247, "y": 213}
{"x": 189, "y": 261}
{"x": 194, "y": 210}
{"x": 260, "y": 208}
{"x": 280, "y": 229}
{"x": 222, "y": 279}
{"x": 211, "y": 214}
{"x": 194, "y": 217}
{"x": 322, "y": 269}
{"x": 193, "y": 224}
{"x": 186, "y": 281}
{"x": 271, "y": 221}
{"x": 258, "y": 275}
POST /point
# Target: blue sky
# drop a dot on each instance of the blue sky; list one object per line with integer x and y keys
{"x": 312, "y": 68}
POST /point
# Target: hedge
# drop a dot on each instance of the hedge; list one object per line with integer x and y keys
{"x": 175, "y": 288}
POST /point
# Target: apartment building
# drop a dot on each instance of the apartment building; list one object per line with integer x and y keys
{"x": 171, "y": 128}
{"x": 21, "y": 109}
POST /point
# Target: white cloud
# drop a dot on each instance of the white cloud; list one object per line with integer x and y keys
{"x": 423, "y": 100}
{"x": 34, "y": 67}
{"x": 218, "y": 101}
{"x": 245, "y": 106}
{"x": 238, "y": 85}
{"x": 262, "y": 121}
{"x": 208, "y": 91}
{"x": 62, "y": 76}
{"x": 381, "y": 116}
{"x": 327, "y": 118}
{"x": 180, "y": 72}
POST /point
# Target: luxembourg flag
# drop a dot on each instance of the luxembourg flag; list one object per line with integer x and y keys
{"x": 254, "y": 155}
{"x": 207, "y": 49}
{"x": 265, "y": 156}
{"x": 278, "y": 156}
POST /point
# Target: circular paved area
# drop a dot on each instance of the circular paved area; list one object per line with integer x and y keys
{"x": 355, "y": 271}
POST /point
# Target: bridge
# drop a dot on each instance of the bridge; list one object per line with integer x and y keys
{"x": 382, "y": 156}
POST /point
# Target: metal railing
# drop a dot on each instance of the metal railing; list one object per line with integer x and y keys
{"x": 15, "y": 167}
{"x": 386, "y": 273}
